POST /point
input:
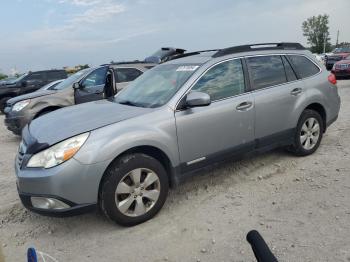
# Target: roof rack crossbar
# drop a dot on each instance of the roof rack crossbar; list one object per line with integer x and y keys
{"x": 261, "y": 46}
{"x": 191, "y": 54}
{"x": 127, "y": 63}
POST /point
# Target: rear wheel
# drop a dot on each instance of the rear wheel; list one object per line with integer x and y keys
{"x": 134, "y": 189}
{"x": 3, "y": 103}
{"x": 308, "y": 134}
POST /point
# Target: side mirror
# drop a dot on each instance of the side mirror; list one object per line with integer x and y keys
{"x": 24, "y": 83}
{"x": 76, "y": 85}
{"x": 196, "y": 99}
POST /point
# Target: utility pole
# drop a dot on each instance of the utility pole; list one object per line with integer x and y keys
{"x": 336, "y": 45}
{"x": 324, "y": 42}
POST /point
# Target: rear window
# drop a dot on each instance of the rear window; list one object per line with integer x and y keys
{"x": 303, "y": 66}
{"x": 266, "y": 71}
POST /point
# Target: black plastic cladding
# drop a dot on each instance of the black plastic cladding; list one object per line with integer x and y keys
{"x": 256, "y": 47}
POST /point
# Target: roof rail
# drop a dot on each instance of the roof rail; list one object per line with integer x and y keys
{"x": 191, "y": 54}
{"x": 126, "y": 63}
{"x": 262, "y": 46}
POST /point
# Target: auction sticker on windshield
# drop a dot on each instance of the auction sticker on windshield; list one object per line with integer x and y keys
{"x": 187, "y": 68}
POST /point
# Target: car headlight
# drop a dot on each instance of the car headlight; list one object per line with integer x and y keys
{"x": 58, "y": 153}
{"x": 20, "y": 105}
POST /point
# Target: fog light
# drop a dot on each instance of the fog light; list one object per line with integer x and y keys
{"x": 48, "y": 203}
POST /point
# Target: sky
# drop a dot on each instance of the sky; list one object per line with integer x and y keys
{"x": 47, "y": 34}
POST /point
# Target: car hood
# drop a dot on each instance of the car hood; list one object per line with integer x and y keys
{"x": 8, "y": 84}
{"x": 38, "y": 93}
{"x": 70, "y": 121}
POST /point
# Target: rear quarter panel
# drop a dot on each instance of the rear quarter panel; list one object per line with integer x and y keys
{"x": 317, "y": 89}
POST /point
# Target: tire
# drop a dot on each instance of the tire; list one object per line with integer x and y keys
{"x": 308, "y": 133}
{"x": 124, "y": 192}
{"x": 3, "y": 103}
{"x": 42, "y": 113}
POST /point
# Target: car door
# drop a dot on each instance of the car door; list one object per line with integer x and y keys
{"x": 125, "y": 75}
{"x": 206, "y": 134}
{"x": 276, "y": 93}
{"x": 32, "y": 82}
{"x": 92, "y": 86}
{"x": 53, "y": 76}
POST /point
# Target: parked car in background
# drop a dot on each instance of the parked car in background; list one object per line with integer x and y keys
{"x": 173, "y": 120}
{"x": 7, "y": 80}
{"x": 342, "y": 68}
{"x": 28, "y": 83}
{"x": 338, "y": 54}
{"x": 164, "y": 54}
{"x": 84, "y": 86}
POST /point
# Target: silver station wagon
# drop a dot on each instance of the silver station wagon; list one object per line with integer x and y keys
{"x": 124, "y": 153}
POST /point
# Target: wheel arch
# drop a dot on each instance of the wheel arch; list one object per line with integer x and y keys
{"x": 46, "y": 109}
{"x": 152, "y": 151}
{"x": 319, "y": 108}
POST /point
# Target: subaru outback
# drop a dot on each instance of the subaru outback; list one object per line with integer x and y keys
{"x": 124, "y": 154}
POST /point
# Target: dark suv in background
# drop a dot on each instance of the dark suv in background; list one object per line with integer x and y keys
{"x": 28, "y": 83}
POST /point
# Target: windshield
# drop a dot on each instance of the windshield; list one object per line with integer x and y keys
{"x": 342, "y": 50}
{"x": 155, "y": 87}
{"x": 15, "y": 80}
{"x": 71, "y": 80}
{"x": 51, "y": 86}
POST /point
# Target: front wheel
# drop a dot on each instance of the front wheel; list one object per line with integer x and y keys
{"x": 134, "y": 189}
{"x": 308, "y": 134}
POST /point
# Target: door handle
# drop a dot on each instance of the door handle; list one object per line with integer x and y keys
{"x": 296, "y": 91}
{"x": 244, "y": 106}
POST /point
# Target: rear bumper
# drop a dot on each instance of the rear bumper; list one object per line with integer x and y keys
{"x": 331, "y": 121}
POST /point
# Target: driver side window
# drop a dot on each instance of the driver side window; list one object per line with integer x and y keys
{"x": 34, "y": 77}
{"x": 97, "y": 77}
{"x": 222, "y": 81}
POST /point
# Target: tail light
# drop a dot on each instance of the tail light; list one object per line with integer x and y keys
{"x": 332, "y": 79}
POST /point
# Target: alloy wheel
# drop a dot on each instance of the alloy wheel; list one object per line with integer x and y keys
{"x": 310, "y": 133}
{"x": 137, "y": 192}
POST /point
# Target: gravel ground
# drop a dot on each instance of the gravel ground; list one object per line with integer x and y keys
{"x": 300, "y": 205}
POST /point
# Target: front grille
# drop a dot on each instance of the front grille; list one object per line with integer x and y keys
{"x": 20, "y": 157}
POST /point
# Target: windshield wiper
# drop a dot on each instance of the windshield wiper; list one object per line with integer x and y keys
{"x": 128, "y": 103}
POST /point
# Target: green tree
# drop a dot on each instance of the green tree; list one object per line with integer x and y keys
{"x": 2, "y": 76}
{"x": 316, "y": 30}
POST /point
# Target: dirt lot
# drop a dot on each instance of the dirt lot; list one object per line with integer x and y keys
{"x": 300, "y": 205}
